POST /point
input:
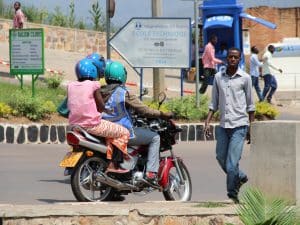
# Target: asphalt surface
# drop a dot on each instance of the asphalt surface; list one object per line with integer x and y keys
{"x": 30, "y": 174}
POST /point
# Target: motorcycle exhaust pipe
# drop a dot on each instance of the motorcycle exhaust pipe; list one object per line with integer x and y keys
{"x": 103, "y": 178}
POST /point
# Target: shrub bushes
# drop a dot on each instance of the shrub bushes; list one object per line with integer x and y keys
{"x": 5, "y": 110}
{"x": 32, "y": 108}
{"x": 53, "y": 80}
{"x": 265, "y": 110}
{"x": 20, "y": 103}
{"x": 185, "y": 108}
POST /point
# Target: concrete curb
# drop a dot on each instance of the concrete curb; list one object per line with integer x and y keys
{"x": 110, "y": 213}
{"x": 150, "y": 208}
{"x": 56, "y": 133}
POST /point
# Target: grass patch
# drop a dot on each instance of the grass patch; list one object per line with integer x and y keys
{"x": 7, "y": 91}
{"x": 210, "y": 205}
{"x": 19, "y": 102}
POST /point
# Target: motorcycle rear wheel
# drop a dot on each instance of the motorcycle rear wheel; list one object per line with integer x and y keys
{"x": 84, "y": 186}
{"x": 176, "y": 191}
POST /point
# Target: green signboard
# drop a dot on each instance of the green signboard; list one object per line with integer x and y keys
{"x": 26, "y": 48}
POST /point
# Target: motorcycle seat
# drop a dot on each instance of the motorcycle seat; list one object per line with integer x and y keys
{"x": 90, "y": 137}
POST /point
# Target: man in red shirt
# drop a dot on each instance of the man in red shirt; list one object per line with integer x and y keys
{"x": 209, "y": 62}
{"x": 19, "y": 17}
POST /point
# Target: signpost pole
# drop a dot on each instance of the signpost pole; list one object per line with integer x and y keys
{"x": 34, "y": 78}
{"x": 141, "y": 84}
{"x": 32, "y": 86}
{"x": 108, "y": 54}
{"x": 196, "y": 14}
{"x": 158, "y": 75}
{"x": 181, "y": 82}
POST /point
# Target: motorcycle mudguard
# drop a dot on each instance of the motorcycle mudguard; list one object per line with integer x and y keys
{"x": 163, "y": 172}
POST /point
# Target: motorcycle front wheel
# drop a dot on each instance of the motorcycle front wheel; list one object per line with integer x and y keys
{"x": 84, "y": 186}
{"x": 177, "y": 191}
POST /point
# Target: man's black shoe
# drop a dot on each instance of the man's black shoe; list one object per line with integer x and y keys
{"x": 242, "y": 182}
{"x": 234, "y": 198}
{"x": 117, "y": 197}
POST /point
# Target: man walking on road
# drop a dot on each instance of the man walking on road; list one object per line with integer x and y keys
{"x": 255, "y": 65}
{"x": 232, "y": 96}
{"x": 269, "y": 79}
{"x": 209, "y": 62}
{"x": 19, "y": 17}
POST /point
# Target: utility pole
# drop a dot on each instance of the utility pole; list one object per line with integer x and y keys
{"x": 196, "y": 19}
{"x": 107, "y": 29}
{"x": 158, "y": 74}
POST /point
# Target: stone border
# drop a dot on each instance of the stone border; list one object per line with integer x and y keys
{"x": 56, "y": 133}
{"x": 111, "y": 213}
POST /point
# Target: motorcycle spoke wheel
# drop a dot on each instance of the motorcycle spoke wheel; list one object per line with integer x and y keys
{"x": 84, "y": 186}
{"x": 175, "y": 190}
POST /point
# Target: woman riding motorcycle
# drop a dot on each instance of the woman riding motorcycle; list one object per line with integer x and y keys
{"x": 86, "y": 106}
{"x": 119, "y": 102}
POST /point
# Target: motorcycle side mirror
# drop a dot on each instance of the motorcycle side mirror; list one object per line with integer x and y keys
{"x": 161, "y": 98}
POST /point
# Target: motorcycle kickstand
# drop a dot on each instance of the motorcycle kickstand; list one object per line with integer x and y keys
{"x": 153, "y": 185}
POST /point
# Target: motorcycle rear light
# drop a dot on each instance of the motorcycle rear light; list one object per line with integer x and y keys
{"x": 72, "y": 139}
{"x": 89, "y": 153}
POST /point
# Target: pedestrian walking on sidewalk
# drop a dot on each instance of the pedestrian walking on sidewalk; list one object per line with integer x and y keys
{"x": 255, "y": 66}
{"x": 19, "y": 17}
{"x": 209, "y": 62}
{"x": 269, "y": 79}
{"x": 232, "y": 96}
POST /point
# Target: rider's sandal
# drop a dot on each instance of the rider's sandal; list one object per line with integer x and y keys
{"x": 113, "y": 170}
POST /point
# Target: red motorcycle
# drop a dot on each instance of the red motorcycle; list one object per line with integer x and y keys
{"x": 87, "y": 162}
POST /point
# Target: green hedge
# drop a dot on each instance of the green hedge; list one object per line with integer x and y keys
{"x": 19, "y": 102}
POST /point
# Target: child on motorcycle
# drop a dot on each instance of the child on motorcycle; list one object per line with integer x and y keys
{"x": 100, "y": 62}
{"x": 119, "y": 101}
{"x": 86, "y": 104}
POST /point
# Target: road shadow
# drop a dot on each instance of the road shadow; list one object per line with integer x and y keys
{"x": 51, "y": 201}
{"x": 65, "y": 181}
{"x": 4, "y": 74}
{"x": 172, "y": 76}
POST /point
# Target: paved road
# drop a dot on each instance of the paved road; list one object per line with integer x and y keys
{"x": 30, "y": 174}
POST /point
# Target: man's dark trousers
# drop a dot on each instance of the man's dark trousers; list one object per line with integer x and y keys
{"x": 207, "y": 74}
{"x": 270, "y": 86}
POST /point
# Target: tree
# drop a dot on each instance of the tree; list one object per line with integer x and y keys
{"x": 34, "y": 14}
{"x": 1, "y": 8}
{"x": 72, "y": 14}
{"x": 81, "y": 24}
{"x": 7, "y": 12}
{"x": 43, "y": 15}
{"x": 97, "y": 16}
{"x": 58, "y": 18}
